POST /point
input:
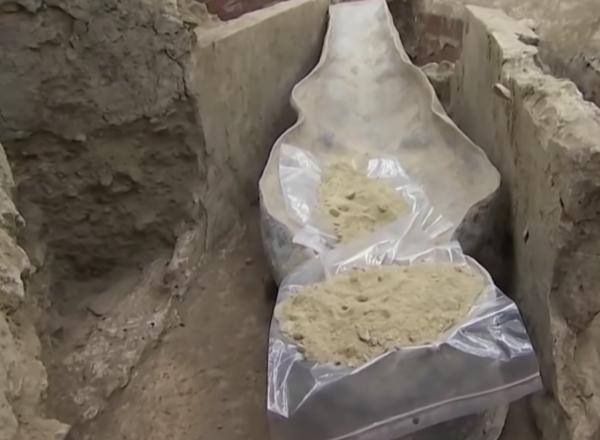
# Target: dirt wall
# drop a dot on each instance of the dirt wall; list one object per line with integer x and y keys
{"x": 136, "y": 131}
{"x": 101, "y": 112}
{"x": 543, "y": 137}
{"x": 569, "y": 33}
{"x": 23, "y": 379}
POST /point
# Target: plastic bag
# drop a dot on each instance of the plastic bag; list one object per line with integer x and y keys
{"x": 283, "y": 255}
{"x": 485, "y": 361}
{"x": 300, "y": 174}
{"x": 365, "y": 94}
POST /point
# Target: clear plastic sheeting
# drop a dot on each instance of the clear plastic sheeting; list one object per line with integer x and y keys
{"x": 365, "y": 96}
{"x": 301, "y": 175}
{"x": 482, "y": 363}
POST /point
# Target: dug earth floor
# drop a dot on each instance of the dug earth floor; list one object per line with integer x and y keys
{"x": 205, "y": 379}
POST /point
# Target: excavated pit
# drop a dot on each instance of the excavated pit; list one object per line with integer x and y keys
{"x": 136, "y": 144}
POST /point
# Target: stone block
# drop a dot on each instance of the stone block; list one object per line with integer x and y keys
{"x": 240, "y": 76}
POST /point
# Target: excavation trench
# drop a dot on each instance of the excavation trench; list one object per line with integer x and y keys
{"x": 136, "y": 141}
{"x": 152, "y": 325}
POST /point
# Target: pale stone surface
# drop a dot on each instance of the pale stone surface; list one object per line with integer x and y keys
{"x": 544, "y": 138}
{"x": 240, "y": 81}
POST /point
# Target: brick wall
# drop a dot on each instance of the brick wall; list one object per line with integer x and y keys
{"x": 229, "y": 9}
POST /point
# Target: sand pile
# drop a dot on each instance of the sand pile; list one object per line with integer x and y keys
{"x": 357, "y": 315}
{"x": 355, "y": 204}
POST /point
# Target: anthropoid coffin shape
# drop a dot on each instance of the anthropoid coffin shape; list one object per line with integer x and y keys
{"x": 366, "y": 99}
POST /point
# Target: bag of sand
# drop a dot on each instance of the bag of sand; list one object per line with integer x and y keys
{"x": 388, "y": 340}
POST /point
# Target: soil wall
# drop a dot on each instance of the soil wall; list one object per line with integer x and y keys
{"x": 543, "y": 137}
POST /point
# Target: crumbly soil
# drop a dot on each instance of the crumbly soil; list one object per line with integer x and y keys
{"x": 357, "y": 315}
{"x": 354, "y": 204}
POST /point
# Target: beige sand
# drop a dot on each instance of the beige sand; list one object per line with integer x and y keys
{"x": 357, "y": 315}
{"x": 355, "y": 204}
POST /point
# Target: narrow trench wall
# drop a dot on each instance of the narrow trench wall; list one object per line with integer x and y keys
{"x": 544, "y": 138}
{"x": 569, "y": 33}
{"x": 137, "y": 132}
{"x": 91, "y": 109}
{"x": 141, "y": 110}
{"x": 23, "y": 380}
